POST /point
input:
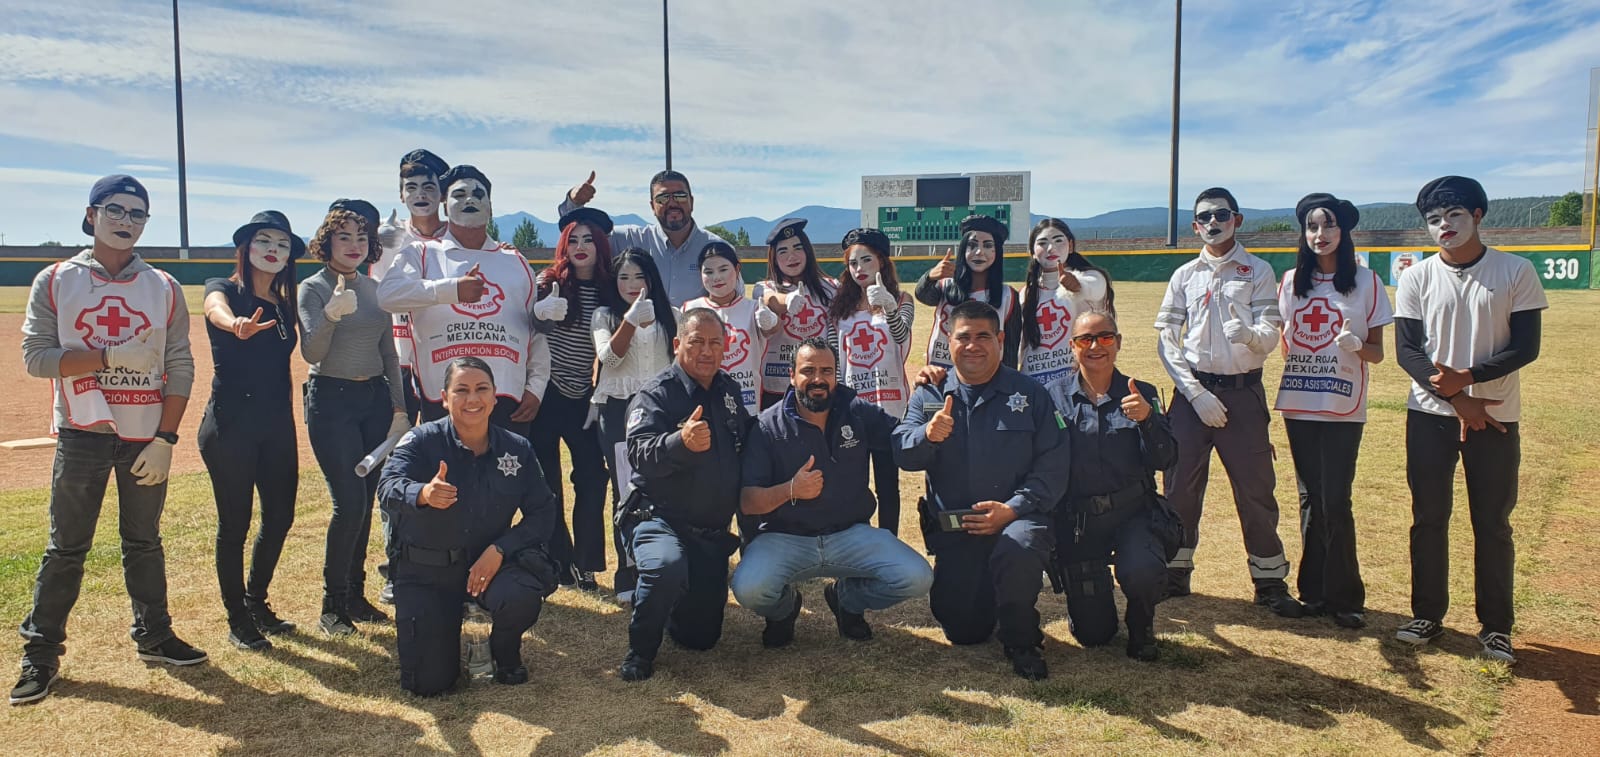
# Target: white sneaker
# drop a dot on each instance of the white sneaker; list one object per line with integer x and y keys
{"x": 1497, "y": 646}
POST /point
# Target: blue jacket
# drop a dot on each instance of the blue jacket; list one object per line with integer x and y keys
{"x": 700, "y": 489}
{"x": 1110, "y": 451}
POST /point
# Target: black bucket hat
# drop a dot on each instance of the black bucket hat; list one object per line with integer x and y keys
{"x": 270, "y": 219}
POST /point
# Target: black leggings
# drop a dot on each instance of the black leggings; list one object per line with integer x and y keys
{"x": 250, "y": 453}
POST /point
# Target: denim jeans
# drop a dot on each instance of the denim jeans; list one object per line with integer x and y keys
{"x": 875, "y": 571}
{"x": 344, "y": 421}
{"x": 84, "y": 459}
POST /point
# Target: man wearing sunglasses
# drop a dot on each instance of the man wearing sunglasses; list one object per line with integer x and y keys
{"x": 119, "y": 359}
{"x": 1218, "y": 322}
{"x": 674, "y": 240}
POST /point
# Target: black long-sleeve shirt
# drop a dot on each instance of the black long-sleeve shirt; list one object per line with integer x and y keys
{"x": 700, "y": 489}
{"x": 1111, "y": 452}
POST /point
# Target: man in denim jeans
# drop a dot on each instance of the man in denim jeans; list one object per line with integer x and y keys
{"x": 112, "y": 334}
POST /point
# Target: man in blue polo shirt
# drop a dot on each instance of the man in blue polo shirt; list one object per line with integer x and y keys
{"x": 805, "y": 506}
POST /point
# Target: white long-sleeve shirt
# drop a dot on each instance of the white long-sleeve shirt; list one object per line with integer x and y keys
{"x": 1204, "y": 294}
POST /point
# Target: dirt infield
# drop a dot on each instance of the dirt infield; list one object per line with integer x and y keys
{"x": 25, "y": 412}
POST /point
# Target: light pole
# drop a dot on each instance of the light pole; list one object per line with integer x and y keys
{"x": 1531, "y": 210}
{"x": 183, "y": 174}
{"x": 666, "y": 81}
{"x": 1172, "y": 186}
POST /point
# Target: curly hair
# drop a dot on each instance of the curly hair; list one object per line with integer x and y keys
{"x": 318, "y": 248}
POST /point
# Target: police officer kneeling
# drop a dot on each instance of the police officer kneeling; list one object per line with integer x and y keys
{"x": 806, "y": 506}
{"x": 686, "y": 428}
{"x": 1111, "y": 512}
{"x": 997, "y": 462}
{"x": 451, "y": 489}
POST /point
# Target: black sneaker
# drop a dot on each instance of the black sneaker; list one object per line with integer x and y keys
{"x": 1277, "y": 599}
{"x": 1028, "y": 662}
{"x": 636, "y": 668}
{"x": 1419, "y": 632}
{"x": 245, "y": 635}
{"x": 268, "y": 621}
{"x": 1315, "y": 609}
{"x": 512, "y": 677}
{"x": 1350, "y": 620}
{"x": 360, "y": 610}
{"x": 386, "y": 594}
{"x": 34, "y": 684}
{"x": 336, "y": 624}
{"x": 779, "y": 632}
{"x": 173, "y": 651}
{"x": 1497, "y": 646}
{"x": 852, "y": 625}
{"x": 1178, "y": 582}
{"x": 1142, "y": 645}
{"x": 586, "y": 581}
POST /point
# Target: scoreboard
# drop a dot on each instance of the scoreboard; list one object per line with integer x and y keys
{"x": 928, "y": 208}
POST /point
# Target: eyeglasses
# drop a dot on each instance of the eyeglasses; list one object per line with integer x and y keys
{"x": 1105, "y": 339}
{"x": 117, "y": 212}
{"x": 664, "y": 197}
{"x": 1223, "y": 215}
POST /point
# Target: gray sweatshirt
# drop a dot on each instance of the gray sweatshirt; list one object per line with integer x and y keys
{"x": 358, "y": 346}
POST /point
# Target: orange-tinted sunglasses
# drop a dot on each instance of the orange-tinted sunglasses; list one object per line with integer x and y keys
{"x": 1105, "y": 338}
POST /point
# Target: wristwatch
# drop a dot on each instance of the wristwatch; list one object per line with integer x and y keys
{"x": 499, "y": 549}
{"x": 170, "y": 437}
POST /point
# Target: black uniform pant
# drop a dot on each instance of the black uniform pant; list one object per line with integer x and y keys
{"x": 561, "y": 420}
{"x": 1325, "y": 468}
{"x": 1490, "y": 460}
{"x": 427, "y": 608}
{"x": 682, "y": 588}
{"x": 983, "y": 581}
{"x": 345, "y": 420}
{"x": 1126, "y": 538}
{"x": 613, "y": 431}
{"x": 1247, "y": 457}
{"x": 245, "y": 454}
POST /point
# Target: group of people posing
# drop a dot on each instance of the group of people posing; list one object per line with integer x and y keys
{"x": 787, "y": 412}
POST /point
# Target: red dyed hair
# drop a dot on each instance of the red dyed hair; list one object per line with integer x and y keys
{"x": 561, "y": 270}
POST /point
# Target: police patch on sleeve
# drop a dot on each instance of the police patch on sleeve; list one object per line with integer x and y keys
{"x": 635, "y": 418}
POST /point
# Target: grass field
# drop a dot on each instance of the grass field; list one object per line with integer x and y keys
{"x": 1231, "y": 679}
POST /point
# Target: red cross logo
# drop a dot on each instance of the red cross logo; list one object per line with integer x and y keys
{"x": 736, "y": 347}
{"x": 865, "y": 345}
{"x": 110, "y": 322}
{"x": 804, "y": 321}
{"x": 1316, "y": 324}
{"x": 1053, "y": 319}
{"x": 487, "y": 305}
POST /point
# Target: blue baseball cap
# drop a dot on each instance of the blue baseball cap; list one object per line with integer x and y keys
{"x": 114, "y": 185}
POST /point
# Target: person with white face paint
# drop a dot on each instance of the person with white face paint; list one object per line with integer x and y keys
{"x": 674, "y": 240}
{"x": 118, "y": 357}
{"x": 579, "y": 281}
{"x": 1061, "y": 285}
{"x": 420, "y": 194}
{"x": 977, "y": 273}
{"x": 1466, "y": 321}
{"x": 796, "y": 291}
{"x": 352, "y": 399}
{"x": 869, "y": 323}
{"x": 1334, "y": 312}
{"x": 1219, "y": 321}
{"x": 749, "y": 321}
{"x": 247, "y": 435}
{"x": 470, "y": 295}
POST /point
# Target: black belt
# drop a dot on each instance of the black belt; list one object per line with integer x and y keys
{"x": 1100, "y": 504}
{"x": 1228, "y": 380}
{"x": 433, "y": 558}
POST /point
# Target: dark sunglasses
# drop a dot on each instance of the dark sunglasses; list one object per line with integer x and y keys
{"x": 1105, "y": 338}
{"x": 664, "y": 197}
{"x": 1223, "y": 215}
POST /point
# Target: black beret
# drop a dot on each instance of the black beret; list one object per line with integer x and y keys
{"x": 594, "y": 218}
{"x": 788, "y": 227}
{"x": 1343, "y": 211}
{"x": 464, "y": 171}
{"x": 428, "y": 160}
{"x": 270, "y": 219}
{"x": 361, "y": 208}
{"x": 984, "y": 223}
{"x": 872, "y": 238}
{"x": 1450, "y": 192}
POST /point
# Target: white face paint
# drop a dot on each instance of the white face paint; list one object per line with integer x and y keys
{"x": 1215, "y": 232}
{"x": 1051, "y": 248}
{"x": 121, "y": 233}
{"x": 863, "y": 263}
{"x": 719, "y": 276}
{"x": 630, "y": 281}
{"x": 581, "y": 250}
{"x": 1451, "y": 228}
{"x": 468, "y": 204}
{"x": 1322, "y": 232}
{"x": 420, "y": 194}
{"x": 269, "y": 250}
{"x": 979, "y": 249}
{"x": 348, "y": 248}
{"x": 791, "y": 255}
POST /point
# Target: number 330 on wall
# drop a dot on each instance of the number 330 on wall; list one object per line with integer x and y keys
{"x": 1562, "y": 268}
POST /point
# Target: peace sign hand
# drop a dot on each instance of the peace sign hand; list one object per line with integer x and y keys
{"x": 244, "y": 328}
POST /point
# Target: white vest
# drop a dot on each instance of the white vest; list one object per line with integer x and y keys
{"x": 402, "y": 321}
{"x": 1321, "y": 381}
{"x": 744, "y": 348}
{"x": 93, "y": 313}
{"x": 939, "y": 339}
{"x": 807, "y": 320}
{"x": 872, "y": 362}
{"x": 1053, "y": 357}
{"x": 495, "y": 328}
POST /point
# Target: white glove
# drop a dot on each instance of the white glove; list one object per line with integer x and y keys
{"x": 153, "y": 463}
{"x": 389, "y": 231}
{"x": 1091, "y": 286}
{"x": 878, "y": 296}
{"x": 1237, "y": 331}
{"x": 766, "y": 320}
{"x": 136, "y": 354}
{"x": 1347, "y": 341}
{"x": 642, "y": 312}
{"x": 792, "y": 300}
{"x": 553, "y": 307}
{"x": 1049, "y": 280}
{"x": 594, "y": 415}
{"x": 399, "y": 425}
{"x": 341, "y": 304}
{"x": 1210, "y": 409}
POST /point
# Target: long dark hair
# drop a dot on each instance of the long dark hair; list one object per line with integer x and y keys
{"x": 1344, "y": 255}
{"x": 962, "y": 289}
{"x": 652, "y": 281}
{"x": 283, "y": 284}
{"x": 1073, "y": 261}
{"x": 850, "y": 294}
{"x": 811, "y": 275}
{"x": 561, "y": 271}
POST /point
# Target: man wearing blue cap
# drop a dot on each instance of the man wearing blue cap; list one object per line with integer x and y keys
{"x": 119, "y": 361}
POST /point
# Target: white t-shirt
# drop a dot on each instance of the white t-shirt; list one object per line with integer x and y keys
{"x": 1466, "y": 315}
{"x": 1322, "y": 382}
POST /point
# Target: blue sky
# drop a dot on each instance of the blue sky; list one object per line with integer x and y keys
{"x": 778, "y": 105}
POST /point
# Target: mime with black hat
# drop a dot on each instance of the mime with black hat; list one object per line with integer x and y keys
{"x": 978, "y": 273}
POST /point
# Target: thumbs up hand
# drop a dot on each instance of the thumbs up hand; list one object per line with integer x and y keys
{"x": 1134, "y": 405}
{"x": 879, "y": 297}
{"x": 642, "y": 312}
{"x": 1237, "y": 327}
{"x": 469, "y": 288}
{"x": 806, "y": 484}
{"x": 792, "y": 301}
{"x": 553, "y": 307}
{"x": 438, "y": 492}
{"x": 696, "y": 433}
{"x": 583, "y": 193}
{"x": 1347, "y": 341}
{"x": 942, "y": 423}
{"x": 136, "y": 354}
{"x": 341, "y": 304}
{"x": 945, "y": 268}
{"x": 389, "y": 231}
{"x": 766, "y": 320}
